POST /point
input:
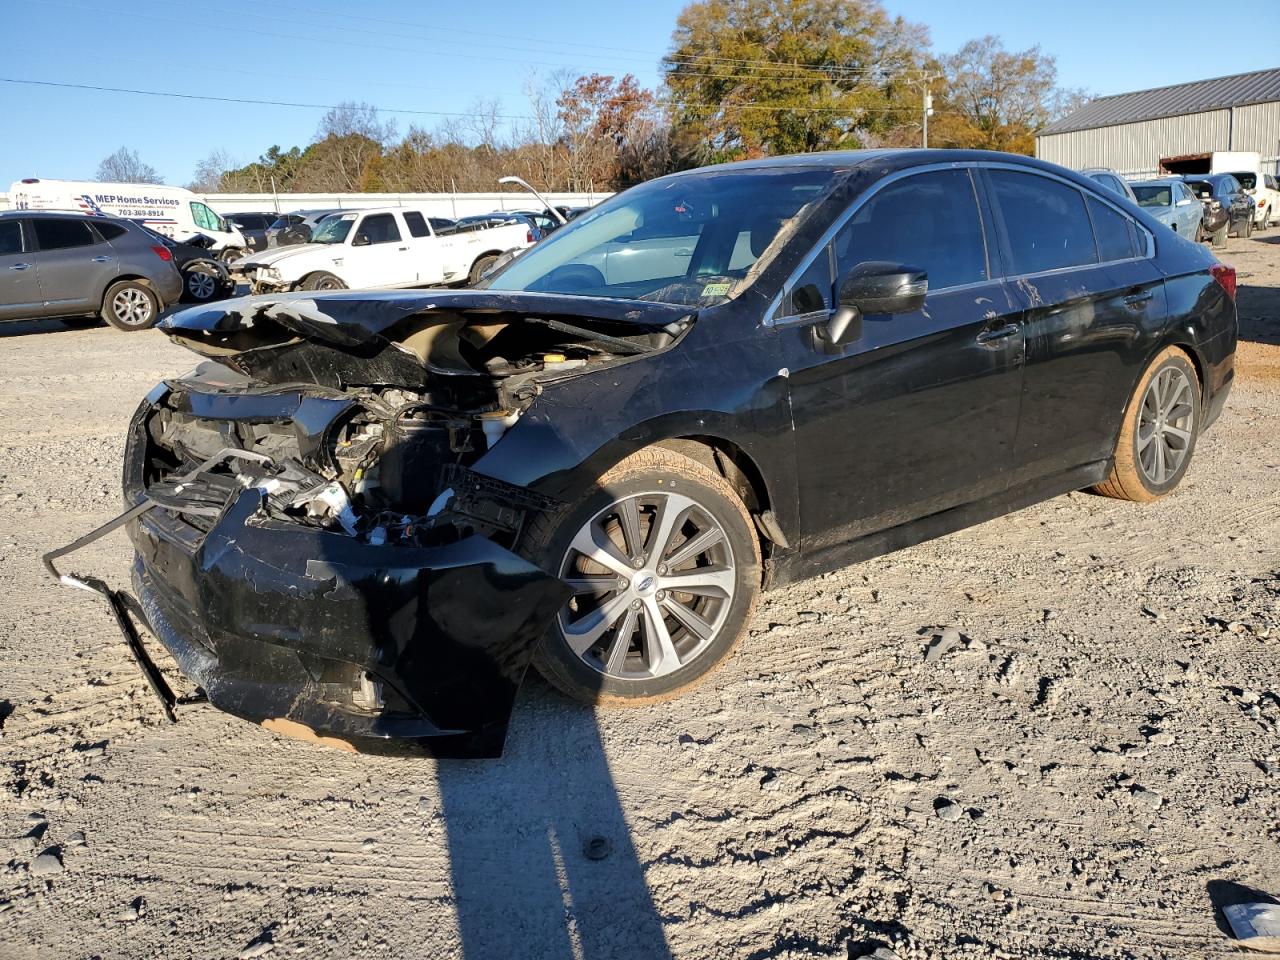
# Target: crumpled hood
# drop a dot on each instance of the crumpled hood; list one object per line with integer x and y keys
{"x": 273, "y": 255}
{"x": 363, "y": 337}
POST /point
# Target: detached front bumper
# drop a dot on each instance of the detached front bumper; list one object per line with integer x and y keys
{"x": 318, "y": 635}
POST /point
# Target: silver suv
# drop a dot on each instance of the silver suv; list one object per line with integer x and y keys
{"x": 71, "y": 265}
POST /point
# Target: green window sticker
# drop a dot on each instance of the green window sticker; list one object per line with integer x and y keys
{"x": 715, "y": 289}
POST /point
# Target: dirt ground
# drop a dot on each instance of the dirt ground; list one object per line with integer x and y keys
{"x": 1082, "y": 775}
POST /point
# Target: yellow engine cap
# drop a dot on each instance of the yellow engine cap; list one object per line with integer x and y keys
{"x": 553, "y": 358}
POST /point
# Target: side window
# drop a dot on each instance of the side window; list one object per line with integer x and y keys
{"x": 1045, "y": 222}
{"x": 380, "y": 228}
{"x": 61, "y": 234}
{"x": 814, "y": 290}
{"x": 205, "y": 218}
{"x": 1116, "y": 237}
{"x": 10, "y": 237}
{"x": 416, "y": 224}
{"x": 110, "y": 231}
{"x": 929, "y": 220}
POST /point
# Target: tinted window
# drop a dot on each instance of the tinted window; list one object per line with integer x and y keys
{"x": 60, "y": 234}
{"x": 929, "y": 221}
{"x": 417, "y": 226}
{"x": 1045, "y": 222}
{"x": 1117, "y": 239}
{"x": 380, "y": 228}
{"x": 10, "y": 237}
{"x": 110, "y": 231}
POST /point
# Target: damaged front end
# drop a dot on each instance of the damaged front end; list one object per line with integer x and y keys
{"x": 324, "y": 553}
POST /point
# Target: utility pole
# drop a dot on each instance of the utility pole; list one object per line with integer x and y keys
{"x": 927, "y": 110}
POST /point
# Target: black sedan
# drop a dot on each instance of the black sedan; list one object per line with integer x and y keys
{"x": 372, "y": 511}
{"x": 204, "y": 276}
{"x": 1225, "y": 202}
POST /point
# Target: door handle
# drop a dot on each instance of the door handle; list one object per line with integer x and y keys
{"x": 999, "y": 333}
{"x": 1138, "y": 299}
{"x": 99, "y": 259}
{"x": 20, "y": 266}
{"x": 404, "y": 248}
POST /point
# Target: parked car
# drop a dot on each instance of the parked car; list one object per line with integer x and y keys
{"x": 294, "y": 228}
{"x": 382, "y": 247}
{"x": 1111, "y": 180}
{"x": 1222, "y": 191}
{"x": 173, "y": 211}
{"x": 498, "y": 218}
{"x": 1244, "y": 165}
{"x": 1264, "y": 198}
{"x": 204, "y": 276}
{"x": 601, "y": 474}
{"x": 253, "y": 226}
{"x": 1171, "y": 202}
{"x": 72, "y": 265}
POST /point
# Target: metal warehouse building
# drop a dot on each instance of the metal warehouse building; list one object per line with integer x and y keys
{"x": 1132, "y": 132}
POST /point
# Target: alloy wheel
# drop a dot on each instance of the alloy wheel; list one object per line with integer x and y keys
{"x": 653, "y": 580}
{"x": 200, "y": 285}
{"x": 1165, "y": 423}
{"x": 131, "y": 307}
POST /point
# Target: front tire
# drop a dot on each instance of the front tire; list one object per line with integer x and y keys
{"x": 1158, "y": 435}
{"x": 665, "y": 567}
{"x": 130, "y": 305}
{"x": 201, "y": 284}
{"x": 323, "y": 281}
{"x": 478, "y": 268}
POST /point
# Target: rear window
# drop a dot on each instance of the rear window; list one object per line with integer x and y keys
{"x": 1117, "y": 236}
{"x": 417, "y": 225}
{"x": 110, "y": 231}
{"x": 1246, "y": 180}
{"x": 10, "y": 237}
{"x": 1045, "y": 222}
{"x": 1154, "y": 196}
{"x": 1201, "y": 188}
{"x": 61, "y": 234}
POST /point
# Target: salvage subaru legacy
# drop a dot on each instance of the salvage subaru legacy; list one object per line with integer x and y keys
{"x": 366, "y": 513}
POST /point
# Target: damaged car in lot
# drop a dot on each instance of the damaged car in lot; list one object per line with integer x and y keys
{"x": 366, "y": 514}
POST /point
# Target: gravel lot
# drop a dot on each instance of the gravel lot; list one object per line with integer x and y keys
{"x": 1077, "y": 776}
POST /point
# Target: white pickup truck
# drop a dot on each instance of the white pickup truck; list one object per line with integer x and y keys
{"x": 381, "y": 247}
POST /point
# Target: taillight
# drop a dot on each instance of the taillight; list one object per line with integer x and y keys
{"x": 164, "y": 253}
{"x": 528, "y": 236}
{"x": 1226, "y": 277}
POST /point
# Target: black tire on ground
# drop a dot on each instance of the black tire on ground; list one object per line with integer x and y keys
{"x": 1246, "y": 228}
{"x": 130, "y": 305}
{"x": 322, "y": 281}
{"x": 653, "y": 477}
{"x": 1157, "y": 405}
{"x": 1219, "y": 237}
{"x": 200, "y": 284}
{"x": 480, "y": 266}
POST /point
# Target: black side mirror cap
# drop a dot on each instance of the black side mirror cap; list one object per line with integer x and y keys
{"x": 876, "y": 287}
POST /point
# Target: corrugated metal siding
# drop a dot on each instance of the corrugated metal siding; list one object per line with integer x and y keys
{"x": 1257, "y": 127}
{"x": 1136, "y": 148}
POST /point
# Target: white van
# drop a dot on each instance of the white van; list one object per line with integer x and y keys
{"x": 173, "y": 211}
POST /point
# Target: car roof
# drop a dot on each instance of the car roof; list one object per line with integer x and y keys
{"x": 1155, "y": 180}
{"x": 63, "y": 214}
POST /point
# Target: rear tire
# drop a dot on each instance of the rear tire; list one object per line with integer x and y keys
{"x": 200, "y": 284}
{"x": 1158, "y": 435}
{"x": 1246, "y": 228}
{"x": 130, "y": 305}
{"x": 479, "y": 267}
{"x": 1219, "y": 237}
{"x": 323, "y": 281}
{"x": 642, "y": 639}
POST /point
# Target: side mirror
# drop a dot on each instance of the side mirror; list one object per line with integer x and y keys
{"x": 360, "y": 240}
{"x": 875, "y": 287}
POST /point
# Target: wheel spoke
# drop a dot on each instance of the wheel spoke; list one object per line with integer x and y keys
{"x": 629, "y": 517}
{"x": 1178, "y": 438}
{"x": 586, "y": 631}
{"x": 694, "y": 546}
{"x": 671, "y": 511}
{"x": 1159, "y": 464}
{"x": 1178, "y": 412}
{"x": 660, "y": 651}
{"x": 595, "y": 545}
{"x": 1144, "y": 438}
{"x": 706, "y": 581}
{"x": 1173, "y": 395}
{"x": 616, "y": 655}
{"x": 693, "y": 621}
{"x": 580, "y": 585}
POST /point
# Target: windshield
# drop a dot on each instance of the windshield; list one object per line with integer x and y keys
{"x": 1247, "y": 180}
{"x": 1154, "y": 196}
{"x": 689, "y": 239}
{"x": 333, "y": 229}
{"x": 1201, "y": 188}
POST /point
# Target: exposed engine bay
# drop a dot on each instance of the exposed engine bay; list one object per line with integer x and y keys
{"x": 372, "y": 432}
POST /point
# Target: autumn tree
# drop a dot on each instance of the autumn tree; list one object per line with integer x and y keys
{"x": 997, "y": 99}
{"x": 750, "y": 77}
{"x": 125, "y": 166}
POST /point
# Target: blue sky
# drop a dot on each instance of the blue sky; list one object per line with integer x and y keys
{"x": 440, "y": 57}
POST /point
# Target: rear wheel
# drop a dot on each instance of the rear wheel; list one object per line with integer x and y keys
{"x": 665, "y": 568}
{"x": 480, "y": 266}
{"x": 130, "y": 305}
{"x": 1246, "y": 228}
{"x": 1219, "y": 236}
{"x": 1159, "y": 432}
{"x": 201, "y": 283}
{"x": 323, "y": 281}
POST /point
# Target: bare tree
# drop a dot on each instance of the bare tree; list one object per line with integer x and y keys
{"x": 210, "y": 171}
{"x": 125, "y": 166}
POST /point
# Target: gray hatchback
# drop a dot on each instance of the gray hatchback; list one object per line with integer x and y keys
{"x": 71, "y": 265}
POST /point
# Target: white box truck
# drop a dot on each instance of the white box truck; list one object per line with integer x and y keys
{"x": 173, "y": 211}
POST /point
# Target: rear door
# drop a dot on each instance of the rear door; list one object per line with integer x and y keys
{"x": 919, "y": 412}
{"x": 75, "y": 265}
{"x": 427, "y": 251}
{"x": 1092, "y": 305}
{"x": 20, "y": 296}
{"x": 378, "y": 254}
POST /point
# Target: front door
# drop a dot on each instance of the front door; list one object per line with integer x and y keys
{"x": 378, "y": 255}
{"x": 75, "y": 266}
{"x": 919, "y": 412}
{"x": 19, "y": 285}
